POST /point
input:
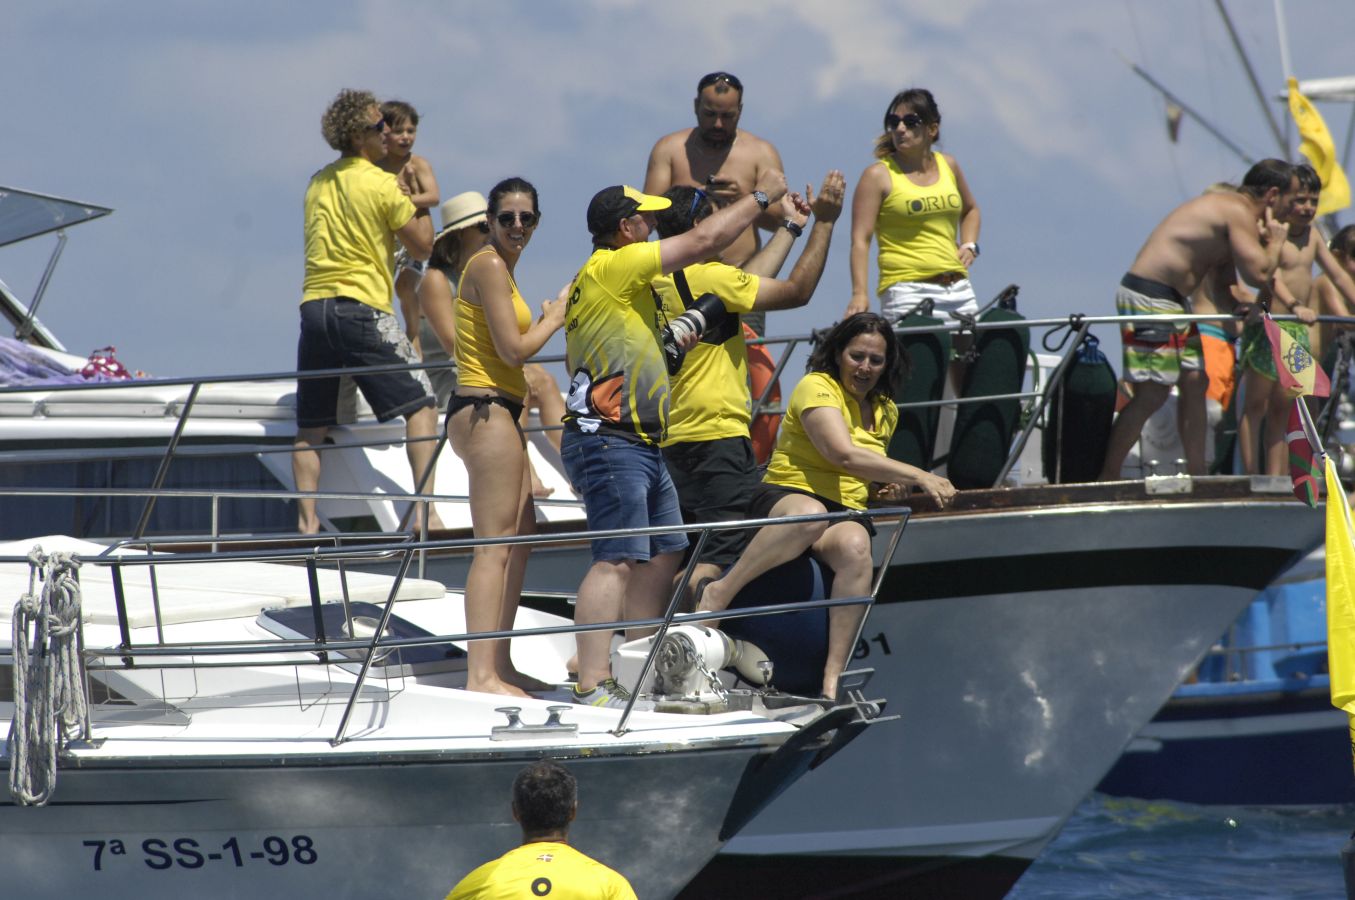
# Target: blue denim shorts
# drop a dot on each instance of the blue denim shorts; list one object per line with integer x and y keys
{"x": 624, "y": 484}
{"x": 338, "y": 332}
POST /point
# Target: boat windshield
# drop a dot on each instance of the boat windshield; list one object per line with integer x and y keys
{"x": 24, "y": 214}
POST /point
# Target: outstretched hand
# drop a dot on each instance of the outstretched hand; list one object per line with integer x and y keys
{"x": 827, "y": 205}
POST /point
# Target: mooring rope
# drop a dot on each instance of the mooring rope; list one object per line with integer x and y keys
{"x": 49, "y": 687}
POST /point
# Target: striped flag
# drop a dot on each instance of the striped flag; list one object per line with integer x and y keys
{"x": 1340, "y": 598}
{"x": 1298, "y": 372}
{"x": 1302, "y": 468}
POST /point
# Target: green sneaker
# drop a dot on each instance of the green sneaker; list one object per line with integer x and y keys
{"x": 609, "y": 695}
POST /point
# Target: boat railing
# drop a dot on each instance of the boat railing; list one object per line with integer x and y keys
{"x": 1036, "y": 400}
{"x": 159, "y": 653}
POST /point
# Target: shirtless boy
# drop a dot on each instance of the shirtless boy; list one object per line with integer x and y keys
{"x": 720, "y": 159}
{"x": 1196, "y": 237}
{"x": 416, "y": 180}
{"x": 1265, "y": 398}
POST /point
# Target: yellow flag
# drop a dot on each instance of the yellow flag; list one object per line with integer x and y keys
{"x": 1317, "y": 145}
{"x": 1340, "y": 599}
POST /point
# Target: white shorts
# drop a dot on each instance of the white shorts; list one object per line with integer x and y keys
{"x": 902, "y": 297}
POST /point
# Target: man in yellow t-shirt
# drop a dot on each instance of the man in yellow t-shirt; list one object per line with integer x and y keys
{"x": 617, "y": 409}
{"x": 353, "y": 213}
{"x": 545, "y": 801}
{"x": 707, "y": 450}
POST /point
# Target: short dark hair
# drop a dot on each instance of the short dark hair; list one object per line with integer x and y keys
{"x": 544, "y": 797}
{"x": 1308, "y": 178}
{"x": 920, "y": 101}
{"x": 397, "y": 111}
{"x": 723, "y": 81}
{"x": 1343, "y": 242}
{"x": 514, "y": 185}
{"x": 829, "y": 346}
{"x": 690, "y": 205}
{"x": 1267, "y": 174}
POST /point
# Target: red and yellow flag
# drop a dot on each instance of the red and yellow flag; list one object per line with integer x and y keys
{"x": 1298, "y": 372}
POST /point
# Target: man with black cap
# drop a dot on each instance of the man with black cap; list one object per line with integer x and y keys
{"x": 617, "y": 408}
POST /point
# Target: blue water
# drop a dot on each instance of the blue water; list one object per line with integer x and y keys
{"x": 1115, "y": 847}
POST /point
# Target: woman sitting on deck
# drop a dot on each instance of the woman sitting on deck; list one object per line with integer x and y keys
{"x": 830, "y": 448}
{"x": 495, "y": 335}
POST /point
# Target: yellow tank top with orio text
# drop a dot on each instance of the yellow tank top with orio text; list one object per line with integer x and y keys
{"x": 477, "y": 362}
{"x": 916, "y": 226}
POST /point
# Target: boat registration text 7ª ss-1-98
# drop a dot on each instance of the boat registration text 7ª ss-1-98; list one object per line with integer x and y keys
{"x": 188, "y": 853}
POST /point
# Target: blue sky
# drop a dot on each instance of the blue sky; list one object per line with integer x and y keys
{"x": 199, "y": 124}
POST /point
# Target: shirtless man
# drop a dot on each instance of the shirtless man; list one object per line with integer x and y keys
{"x": 1196, "y": 237}
{"x": 721, "y": 160}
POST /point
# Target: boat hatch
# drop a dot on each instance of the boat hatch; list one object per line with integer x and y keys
{"x": 358, "y": 621}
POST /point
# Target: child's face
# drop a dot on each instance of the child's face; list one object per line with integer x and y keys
{"x": 401, "y": 140}
{"x": 1302, "y": 209}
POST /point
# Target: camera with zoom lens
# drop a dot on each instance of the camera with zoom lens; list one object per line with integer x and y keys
{"x": 700, "y": 318}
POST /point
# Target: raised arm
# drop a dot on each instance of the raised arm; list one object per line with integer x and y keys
{"x": 969, "y": 217}
{"x": 869, "y": 195}
{"x": 487, "y": 283}
{"x": 828, "y": 432}
{"x": 767, "y": 262}
{"x": 804, "y": 278}
{"x": 1255, "y": 245}
{"x": 418, "y": 176}
{"x": 769, "y": 161}
{"x": 416, "y": 236}
{"x": 719, "y": 230}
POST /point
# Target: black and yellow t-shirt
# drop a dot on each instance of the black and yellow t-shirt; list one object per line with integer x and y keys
{"x": 797, "y": 463}
{"x": 619, "y": 379}
{"x": 709, "y": 395}
{"x": 543, "y": 869}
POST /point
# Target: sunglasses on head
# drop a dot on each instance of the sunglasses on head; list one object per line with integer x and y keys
{"x": 719, "y": 78}
{"x": 696, "y": 202}
{"x": 378, "y": 126}
{"x": 506, "y": 219}
{"x": 909, "y": 120}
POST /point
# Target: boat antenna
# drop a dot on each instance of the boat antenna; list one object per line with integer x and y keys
{"x": 1251, "y": 74}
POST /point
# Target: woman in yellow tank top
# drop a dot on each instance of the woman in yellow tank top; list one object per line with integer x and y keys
{"x": 495, "y": 335}
{"x": 917, "y": 204}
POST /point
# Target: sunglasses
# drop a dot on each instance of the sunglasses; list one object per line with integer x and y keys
{"x": 506, "y": 219}
{"x": 378, "y": 126}
{"x": 909, "y": 120}
{"x": 719, "y": 78}
{"x": 699, "y": 196}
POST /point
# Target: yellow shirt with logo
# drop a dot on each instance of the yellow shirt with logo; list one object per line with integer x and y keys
{"x": 619, "y": 380}
{"x": 709, "y": 395}
{"x": 797, "y": 463}
{"x": 478, "y": 362}
{"x": 543, "y": 869}
{"x": 916, "y": 226}
{"x": 353, "y": 209}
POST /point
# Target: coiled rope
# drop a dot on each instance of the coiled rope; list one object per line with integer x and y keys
{"x": 49, "y": 687}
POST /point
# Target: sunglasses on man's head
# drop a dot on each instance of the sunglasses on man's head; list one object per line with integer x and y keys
{"x": 378, "y": 126}
{"x": 719, "y": 78}
{"x": 506, "y": 219}
{"x": 696, "y": 201}
{"x": 909, "y": 120}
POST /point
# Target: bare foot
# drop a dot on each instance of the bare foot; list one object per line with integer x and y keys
{"x": 540, "y": 488}
{"x": 495, "y": 686}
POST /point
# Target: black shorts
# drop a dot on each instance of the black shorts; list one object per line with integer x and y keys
{"x": 765, "y": 496}
{"x": 339, "y": 332}
{"x": 714, "y": 481}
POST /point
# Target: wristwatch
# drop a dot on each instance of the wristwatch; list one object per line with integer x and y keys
{"x": 795, "y": 230}
{"x": 761, "y": 199}
{"x": 971, "y": 246}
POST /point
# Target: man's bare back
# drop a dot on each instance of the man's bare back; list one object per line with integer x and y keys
{"x": 1206, "y": 233}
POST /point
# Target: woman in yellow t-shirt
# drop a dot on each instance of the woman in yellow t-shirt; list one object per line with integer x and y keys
{"x": 495, "y": 335}
{"x": 830, "y": 448}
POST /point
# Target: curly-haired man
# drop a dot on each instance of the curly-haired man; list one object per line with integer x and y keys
{"x": 354, "y": 211}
